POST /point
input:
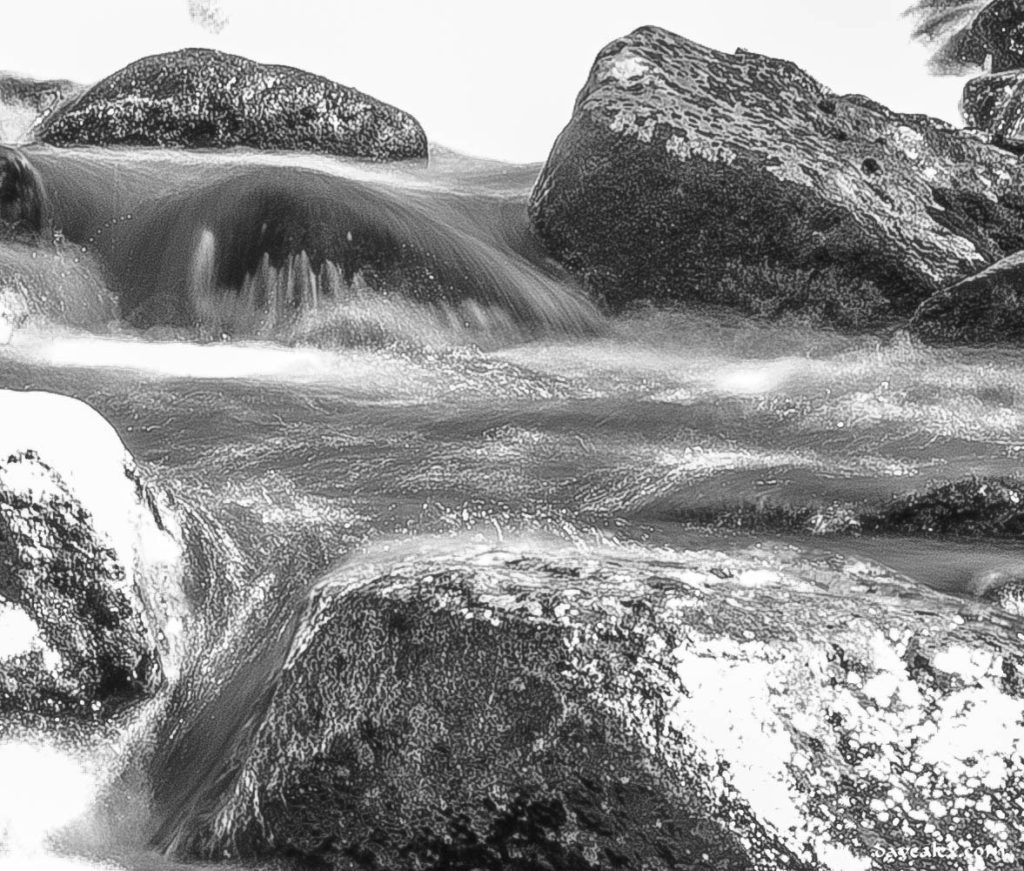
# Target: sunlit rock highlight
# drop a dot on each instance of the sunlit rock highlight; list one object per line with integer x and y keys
{"x": 91, "y": 563}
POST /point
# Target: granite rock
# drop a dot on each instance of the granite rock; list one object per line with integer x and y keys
{"x": 200, "y": 98}
{"x": 681, "y": 161}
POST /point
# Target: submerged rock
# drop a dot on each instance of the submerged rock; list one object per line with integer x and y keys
{"x": 987, "y": 307}
{"x": 680, "y": 162}
{"x": 91, "y": 601}
{"x": 199, "y": 98}
{"x": 495, "y": 709}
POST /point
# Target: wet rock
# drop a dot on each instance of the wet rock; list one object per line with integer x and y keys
{"x": 199, "y": 98}
{"x": 91, "y": 603}
{"x": 971, "y": 507}
{"x": 497, "y": 709}
{"x": 24, "y": 205}
{"x": 987, "y": 307}
{"x": 680, "y": 162}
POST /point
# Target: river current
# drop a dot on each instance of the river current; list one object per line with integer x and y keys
{"x": 314, "y": 414}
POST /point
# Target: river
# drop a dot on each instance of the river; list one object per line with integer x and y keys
{"x": 310, "y": 416}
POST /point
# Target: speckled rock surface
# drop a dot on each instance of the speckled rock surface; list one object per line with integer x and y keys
{"x": 680, "y": 159}
{"x": 987, "y": 307}
{"x": 998, "y": 32}
{"x": 199, "y": 98}
{"x": 91, "y": 603}
{"x": 995, "y": 103}
{"x": 497, "y": 709}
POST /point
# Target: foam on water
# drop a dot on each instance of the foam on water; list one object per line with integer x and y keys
{"x": 42, "y": 790}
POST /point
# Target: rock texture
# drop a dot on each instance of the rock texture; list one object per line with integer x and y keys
{"x": 496, "y": 709}
{"x": 199, "y": 98}
{"x": 680, "y": 160}
{"x": 24, "y": 206}
{"x": 91, "y": 603}
{"x": 987, "y": 307}
{"x": 997, "y": 32}
{"x": 993, "y": 103}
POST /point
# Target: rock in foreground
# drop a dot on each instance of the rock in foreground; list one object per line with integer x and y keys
{"x": 91, "y": 603}
{"x": 681, "y": 162}
{"x": 497, "y": 710}
{"x": 199, "y": 98}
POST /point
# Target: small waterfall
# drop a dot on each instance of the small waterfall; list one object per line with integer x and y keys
{"x": 300, "y": 303}
{"x": 270, "y": 297}
{"x": 229, "y": 247}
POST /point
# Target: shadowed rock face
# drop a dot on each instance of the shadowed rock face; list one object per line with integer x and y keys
{"x": 680, "y": 159}
{"x": 496, "y": 709}
{"x": 987, "y": 307}
{"x": 24, "y": 210}
{"x": 91, "y": 604}
{"x": 199, "y": 98}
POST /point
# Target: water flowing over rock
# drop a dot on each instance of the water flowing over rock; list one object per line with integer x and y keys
{"x": 493, "y": 708}
{"x": 199, "y": 98}
{"x": 681, "y": 161}
{"x": 25, "y": 102}
{"x": 91, "y": 603}
{"x": 987, "y": 307}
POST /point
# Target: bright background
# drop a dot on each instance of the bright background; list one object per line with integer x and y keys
{"x": 491, "y": 79}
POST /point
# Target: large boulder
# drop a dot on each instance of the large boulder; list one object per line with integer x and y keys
{"x": 987, "y": 307}
{"x": 92, "y": 608}
{"x": 199, "y": 98}
{"x": 497, "y": 709}
{"x": 681, "y": 162}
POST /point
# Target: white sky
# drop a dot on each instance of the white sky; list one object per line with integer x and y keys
{"x": 496, "y": 79}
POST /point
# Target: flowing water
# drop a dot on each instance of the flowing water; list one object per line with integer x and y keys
{"x": 315, "y": 357}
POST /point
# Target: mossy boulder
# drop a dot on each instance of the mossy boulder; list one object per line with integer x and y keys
{"x": 681, "y": 161}
{"x": 200, "y": 98}
{"x": 549, "y": 709}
